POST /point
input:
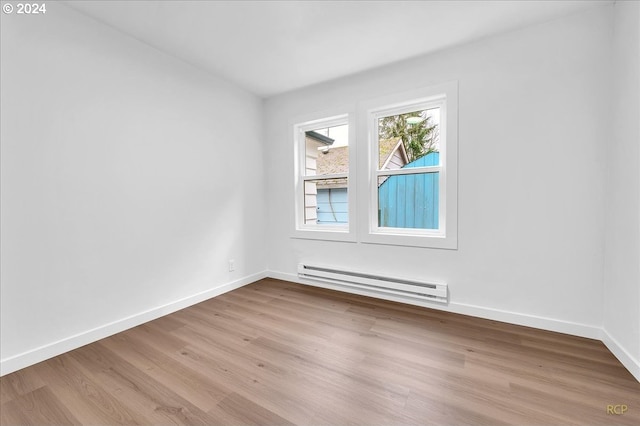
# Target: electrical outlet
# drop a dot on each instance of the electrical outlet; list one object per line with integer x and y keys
{"x": 232, "y": 265}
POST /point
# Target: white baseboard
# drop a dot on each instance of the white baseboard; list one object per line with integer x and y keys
{"x": 550, "y": 324}
{"x": 533, "y": 321}
{"x": 628, "y": 360}
{"x": 25, "y": 359}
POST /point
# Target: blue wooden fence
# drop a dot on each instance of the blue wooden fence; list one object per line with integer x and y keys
{"x": 333, "y": 206}
{"x": 404, "y": 201}
{"x": 411, "y": 201}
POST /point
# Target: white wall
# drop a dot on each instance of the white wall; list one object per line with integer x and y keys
{"x": 622, "y": 248}
{"x": 129, "y": 179}
{"x": 533, "y": 131}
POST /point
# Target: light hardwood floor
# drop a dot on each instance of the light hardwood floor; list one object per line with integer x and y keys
{"x": 276, "y": 352}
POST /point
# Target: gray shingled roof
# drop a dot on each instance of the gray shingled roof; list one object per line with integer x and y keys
{"x": 336, "y": 160}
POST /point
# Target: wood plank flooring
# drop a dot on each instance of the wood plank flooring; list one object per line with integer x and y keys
{"x": 281, "y": 353}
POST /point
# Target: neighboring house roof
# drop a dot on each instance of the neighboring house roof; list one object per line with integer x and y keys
{"x": 319, "y": 137}
{"x": 330, "y": 161}
{"x": 336, "y": 160}
{"x": 333, "y": 160}
{"x": 389, "y": 147}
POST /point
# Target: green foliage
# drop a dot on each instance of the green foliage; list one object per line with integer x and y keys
{"x": 418, "y": 139}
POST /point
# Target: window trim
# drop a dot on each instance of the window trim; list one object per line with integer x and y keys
{"x": 314, "y": 231}
{"x": 368, "y": 230}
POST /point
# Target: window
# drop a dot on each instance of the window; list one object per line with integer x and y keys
{"x": 406, "y": 176}
{"x": 323, "y": 208}
{"x": 408, "y": 168}
{"x": 412, "y": 140}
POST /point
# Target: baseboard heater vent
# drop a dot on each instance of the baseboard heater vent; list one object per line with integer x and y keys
{"x": 407, "y": 289}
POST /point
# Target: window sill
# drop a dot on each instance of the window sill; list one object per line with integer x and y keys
{"x": 423, "y": 241}
{"x": 325, "y": 234}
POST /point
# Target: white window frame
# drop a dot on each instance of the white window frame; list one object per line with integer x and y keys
{"x": 324, "y": 231}
{"x": 445, "y": 97}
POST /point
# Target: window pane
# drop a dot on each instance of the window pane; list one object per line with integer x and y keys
{"x": 327, "y": 150}
{"x": 326, "y": 202}
{"x": 404, "y": 139}
{"x": 409, "y": 201}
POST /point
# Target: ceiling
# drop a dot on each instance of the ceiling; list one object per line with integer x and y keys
{"x": 270, "y": 47}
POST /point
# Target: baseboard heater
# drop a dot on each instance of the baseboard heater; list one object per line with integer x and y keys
{"x": 407, "y": 289}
